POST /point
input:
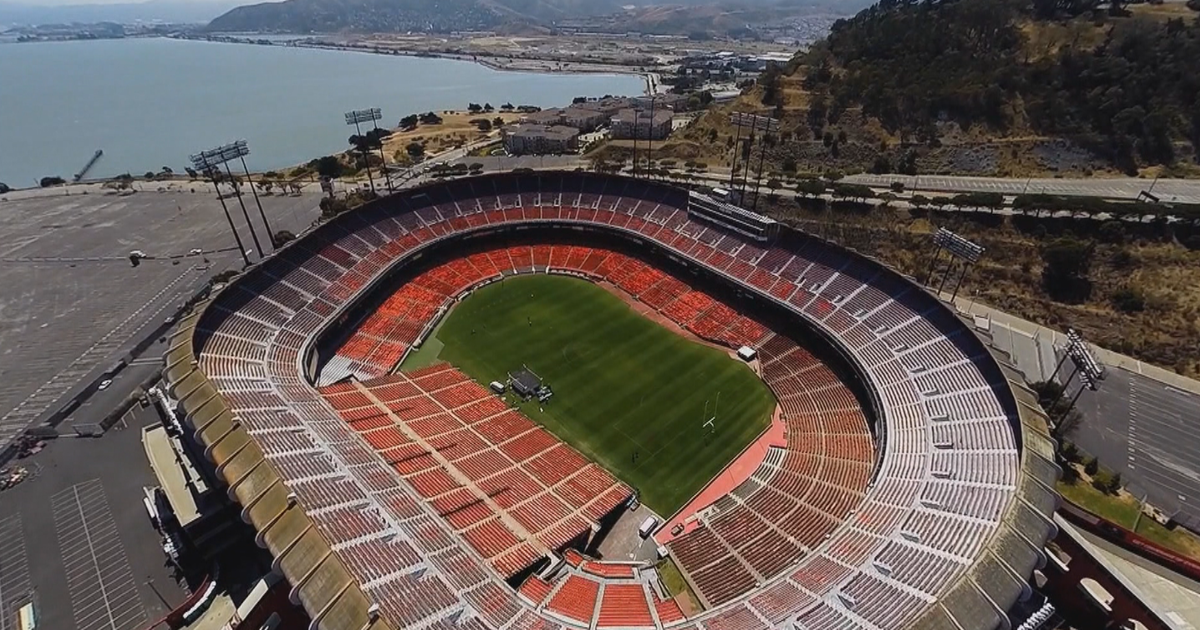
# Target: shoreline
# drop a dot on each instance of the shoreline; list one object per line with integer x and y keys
{"x": 651, "y": 80}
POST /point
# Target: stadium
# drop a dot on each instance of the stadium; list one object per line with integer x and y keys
{"x": 905, "y": 480}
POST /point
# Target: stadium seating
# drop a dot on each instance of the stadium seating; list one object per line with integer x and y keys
{"x": 392, "y": 488}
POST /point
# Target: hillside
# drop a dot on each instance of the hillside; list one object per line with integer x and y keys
{"x": 380, "y": 16}
{"x": 681, "y": 17}
{"x": 986, "y": 87}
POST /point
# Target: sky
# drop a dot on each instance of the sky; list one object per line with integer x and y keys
{"x": 59, "y": 3}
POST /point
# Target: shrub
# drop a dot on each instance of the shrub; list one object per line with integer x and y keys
{"x": 1107, "y": 482}
{"x": 47, "y": 182}
{"x": 897, "y": 187}
{"x": 1129, "y": 299}
{"x": 4, "y": 188}
{"x": 282, "y": 237}
{"x": 1069, "y": 451}
{"x": 1091, "y": 466}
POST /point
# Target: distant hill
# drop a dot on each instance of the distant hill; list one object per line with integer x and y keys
{"x": 379, "y": 16}
{"x": 382, "y": 16}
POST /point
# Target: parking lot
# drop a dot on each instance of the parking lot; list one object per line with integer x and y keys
{"x": 76, "y": 539}
{"x": 70, "y": 300}
{"x": 15, "y": 591}
{"x": 103, "y": 593}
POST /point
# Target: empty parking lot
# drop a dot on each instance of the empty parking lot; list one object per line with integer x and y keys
{"x": 103, "y": 593}
{"x": 70, "y": 301}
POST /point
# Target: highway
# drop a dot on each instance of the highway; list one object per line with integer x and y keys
{"x": 1168, "y": 190}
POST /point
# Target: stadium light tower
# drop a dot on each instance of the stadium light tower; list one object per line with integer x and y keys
{"x": 1084, "y": 363}
{"x": 241, "y": 149}
{"x": 201, "y": 163}
{"x": 760, "y": 127}
{"x": 372, "y": 115}
{"x": 960, "y": 249}
{"x": 223, "y": 155}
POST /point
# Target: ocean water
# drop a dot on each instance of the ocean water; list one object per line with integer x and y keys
{"x": 149, "y": 103}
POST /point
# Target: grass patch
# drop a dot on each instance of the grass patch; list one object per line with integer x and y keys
{"x": 628, "y": 393}
{"x": 1124, "y": 510}
{"x": 426, "y": 355}
{"x": 672, "y": 580}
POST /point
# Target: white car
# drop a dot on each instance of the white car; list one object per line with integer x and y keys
{"x": 105, "y": 383}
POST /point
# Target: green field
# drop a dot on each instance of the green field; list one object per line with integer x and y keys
{"x": 624, "y": 386}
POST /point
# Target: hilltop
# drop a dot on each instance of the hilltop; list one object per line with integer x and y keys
{"x": 681, "y": 17}
{"x": 981, "y": 87}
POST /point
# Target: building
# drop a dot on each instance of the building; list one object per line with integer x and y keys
{"x": 608, "y": 105}
{"x": 669, "y": 100}
{"x": 584, "y": 119}
{"x": 528, "y": 139}
{"x": 551, "y": 116}
{"x": 639, "y": 124}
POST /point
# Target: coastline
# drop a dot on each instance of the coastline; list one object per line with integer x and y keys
{"x": 651, "y": 81}
{"x": 576, "y": 79}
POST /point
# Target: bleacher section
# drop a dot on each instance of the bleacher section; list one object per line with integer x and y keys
{"x": 931, "y": 543}
{"x": 515, "y": 493}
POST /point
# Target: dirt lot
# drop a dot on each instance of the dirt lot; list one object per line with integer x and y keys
{"x": 455, "y": 130}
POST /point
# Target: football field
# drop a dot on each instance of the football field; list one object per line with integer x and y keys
{"x": 628, "y": 393}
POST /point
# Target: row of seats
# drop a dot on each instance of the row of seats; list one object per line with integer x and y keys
{"x": 510, "y": 489}
{"x": 873, "y": 312}
{"x": 600, "y": 595}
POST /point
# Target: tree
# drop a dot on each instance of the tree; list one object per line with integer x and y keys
{"x": 53, "y": 180}
{"x": 487, "y": 107}
{"x": 810, "y": 187}
{"x": 497, "y": 122}
{"x": 774, "y": 185}
{"x": 149, "y": 175}
{"x": 484, "y": 125}
{"x": 415, "y": 150}
{"x": 409, "y": 122}
{"x": 280, "y": 238}
{"x": 1067, "y": 263}
{"x": 328, "y": 166}
{"x": 191, "y": 172}
{"x": 4, "y": 188}
{"x": 474, "y": 108}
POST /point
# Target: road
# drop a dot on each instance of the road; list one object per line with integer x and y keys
{"x": 1169, "y": 190}
{"x": 1140, "y": 422}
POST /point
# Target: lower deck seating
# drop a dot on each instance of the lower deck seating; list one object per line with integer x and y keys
{"x": 438, "y": 430}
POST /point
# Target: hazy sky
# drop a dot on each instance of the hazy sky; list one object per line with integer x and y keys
{"x": 58, "y": 3}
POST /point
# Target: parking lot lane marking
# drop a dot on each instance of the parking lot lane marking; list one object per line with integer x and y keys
{"x": 103, "y": 594}
{"x": 14, "y": 571}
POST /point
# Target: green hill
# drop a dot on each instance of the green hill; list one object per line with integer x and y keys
{"x": 987, "y": 87}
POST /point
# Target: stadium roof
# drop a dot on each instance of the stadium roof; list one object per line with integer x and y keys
{"x": 329, "y": 511}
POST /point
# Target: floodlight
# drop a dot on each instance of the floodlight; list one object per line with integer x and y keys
{"x": 957, "y": 245}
